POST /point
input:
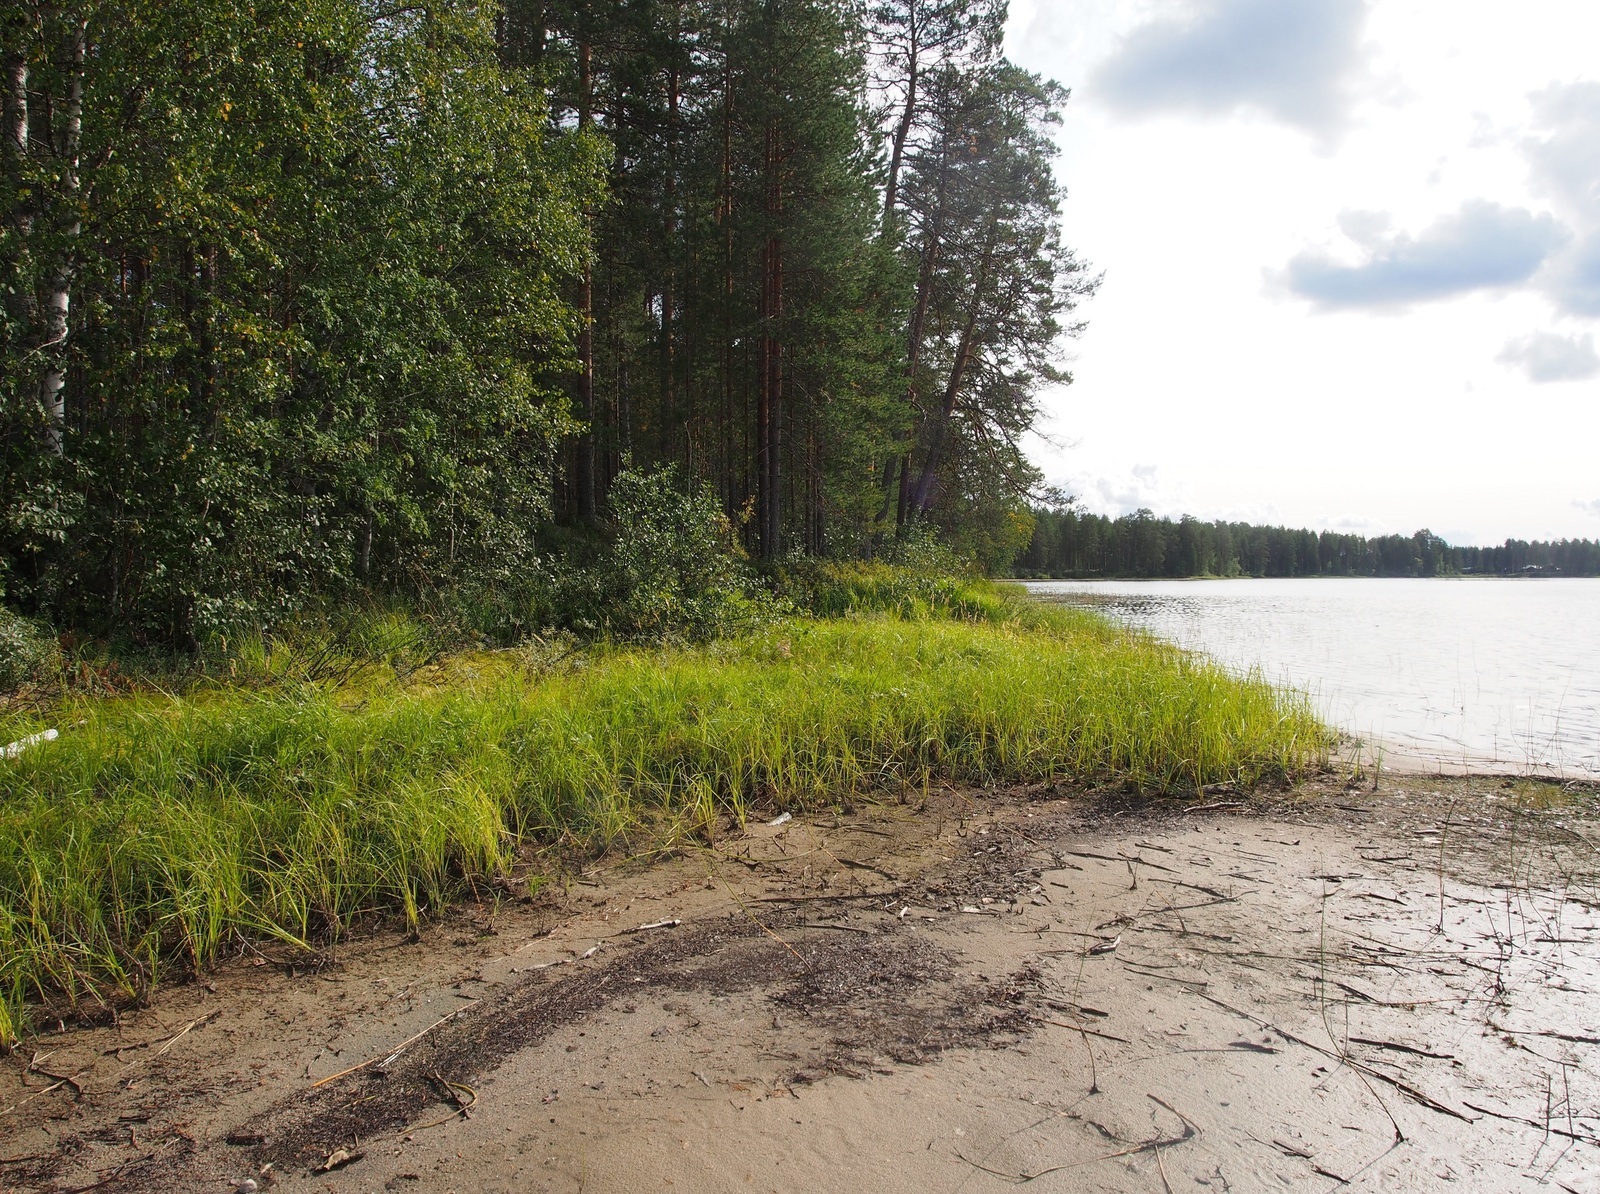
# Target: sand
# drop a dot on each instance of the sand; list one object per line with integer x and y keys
{"x": 1332, "y": 988}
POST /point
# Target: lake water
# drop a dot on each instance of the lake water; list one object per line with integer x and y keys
{"x": 1481, "y": 674}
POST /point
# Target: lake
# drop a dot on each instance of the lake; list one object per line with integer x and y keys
{"x": 1480, "y": 673}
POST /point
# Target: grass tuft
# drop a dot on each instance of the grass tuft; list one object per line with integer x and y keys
{"x": 162, "y": 827}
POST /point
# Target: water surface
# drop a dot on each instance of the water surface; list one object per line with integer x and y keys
{"x": 1481, "y": 672}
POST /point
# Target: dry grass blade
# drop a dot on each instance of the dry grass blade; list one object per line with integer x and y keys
{"x": 1399, "y": 1084}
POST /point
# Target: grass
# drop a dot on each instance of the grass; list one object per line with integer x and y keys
{"x": 160, "y": 830}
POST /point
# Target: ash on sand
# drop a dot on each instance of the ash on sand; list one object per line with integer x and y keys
{"x": 1337, "y": 989}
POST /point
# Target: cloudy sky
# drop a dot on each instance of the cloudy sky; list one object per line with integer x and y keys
{"x": 1352, "y": 260}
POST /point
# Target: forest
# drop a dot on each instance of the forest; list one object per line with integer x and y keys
{"x": 310, "y": 299}
{"x": 1067, "y": 542}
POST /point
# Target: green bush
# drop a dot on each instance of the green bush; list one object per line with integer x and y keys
{"x": 28, "y": 652}
{"x": 674, "y": 569}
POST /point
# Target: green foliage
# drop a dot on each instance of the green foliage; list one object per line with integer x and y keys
{"x": 161, "y": 827}
{"x": 835, "y": 589}
{"x": 674, "y": 567}
{"x": 318, "y": 254}
{"x": 29, "y": 653}
{"x": 915, "y": 575}
{"x": 360, "y": 299}
{"x": 666, "y": 567}
{"x": 918, "y": 546}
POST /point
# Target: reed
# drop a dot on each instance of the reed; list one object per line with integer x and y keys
{"x": 160, "y": 828}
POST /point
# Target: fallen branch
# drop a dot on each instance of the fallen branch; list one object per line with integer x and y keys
{"x": 198, "y": 1022}
{"x": 1571, "y": 1037}
{"x": 113, "y": 1175}
{"x": 464, "y": 1110}
{"x": 866, "y": 866}
{"x": 1118, "y": 858}
{"x": 59, "y": 1079}
{"x": 16, "y": 748}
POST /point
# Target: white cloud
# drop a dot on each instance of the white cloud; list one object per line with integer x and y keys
{"x": 1548, "y": 356}
{"x": 1565, "y": 165}
{"x": 1351, "y": 522}
{"x": 1589, "y": 507}
{"x": 1296, "y": 62}
{"x": 1365, "y": 228}
{"x": 1573, "y": 278}
{"x": 1566, "y": 162}
{"x": 1118, "y": 493}
{"x": 1483, "y": 246}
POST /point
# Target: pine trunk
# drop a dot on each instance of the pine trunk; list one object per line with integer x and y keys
{"x": 769, "y": 404}
{"x": 583, "y": 480}
{"x": 919, "y": 318}
{"x": 902, "y": 132}
{"x": 922, "y": 495}
{"x": 669, "y": 314}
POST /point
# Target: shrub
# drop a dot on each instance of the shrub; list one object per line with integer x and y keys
{"x": 674, "y": 568}
{"x": 28, "y": 652}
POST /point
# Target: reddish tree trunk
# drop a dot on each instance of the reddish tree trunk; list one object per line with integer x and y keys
{"x": 583, "y": 479}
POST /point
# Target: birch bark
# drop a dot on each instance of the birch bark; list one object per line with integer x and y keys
{"x": 58, "y": 299}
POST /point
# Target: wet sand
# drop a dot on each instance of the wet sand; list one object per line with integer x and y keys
{"x": 1333, "y": 988}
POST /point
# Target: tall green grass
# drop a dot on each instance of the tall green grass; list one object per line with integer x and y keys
{"x": 159, "y": 828}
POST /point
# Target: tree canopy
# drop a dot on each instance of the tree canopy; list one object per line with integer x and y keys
{"x": 313, "y": 297}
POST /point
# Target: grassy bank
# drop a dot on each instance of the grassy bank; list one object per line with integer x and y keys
{"x": 159, "y": 828}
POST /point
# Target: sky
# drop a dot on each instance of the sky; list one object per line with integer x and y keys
{"x": 1351, "y": 258}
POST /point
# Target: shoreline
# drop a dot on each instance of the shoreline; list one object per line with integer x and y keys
{"x": 1398, "y": 760}
{"x": 1133, "y": 579}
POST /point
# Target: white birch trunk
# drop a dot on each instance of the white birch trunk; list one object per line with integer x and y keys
{"x": 16, "y": 147}
{"x": 17, "y": 130}
{"x": 58, "y": 302}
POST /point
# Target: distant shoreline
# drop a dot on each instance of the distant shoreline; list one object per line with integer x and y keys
{"x": 1126, "y": 577}
{"x": 1066, "y": 543}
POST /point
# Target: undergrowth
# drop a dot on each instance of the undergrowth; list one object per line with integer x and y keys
{"x": 282, "y": 802}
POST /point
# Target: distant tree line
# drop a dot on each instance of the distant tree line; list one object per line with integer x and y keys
{"x": 1070, "y": 543}
{"x": 313, "y": 298}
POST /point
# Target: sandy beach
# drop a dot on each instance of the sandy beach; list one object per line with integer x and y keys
{"x": 1327, "y": 988}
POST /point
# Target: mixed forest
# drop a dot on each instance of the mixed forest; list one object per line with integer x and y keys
{"x": 1068, "y": 542}
{"x": 305, "y": 299}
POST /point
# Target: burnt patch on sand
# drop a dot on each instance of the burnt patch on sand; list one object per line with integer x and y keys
{"x": 897, "y": 998}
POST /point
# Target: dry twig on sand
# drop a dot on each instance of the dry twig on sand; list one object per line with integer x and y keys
{"x": 386, "y": 1058}
{"x": 1155, "y": 1145}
